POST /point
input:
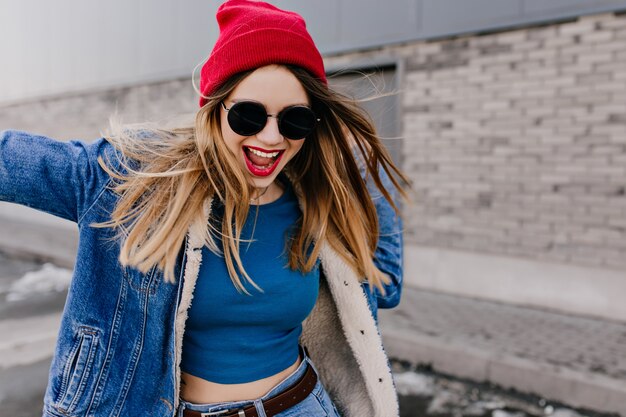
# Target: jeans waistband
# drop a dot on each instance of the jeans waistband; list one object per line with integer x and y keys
{"x": 282, "y": 386}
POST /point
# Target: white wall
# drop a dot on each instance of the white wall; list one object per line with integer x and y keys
{"x": 50, "y": 47}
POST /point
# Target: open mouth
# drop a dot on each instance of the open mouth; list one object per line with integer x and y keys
{"x": 261, "y": 162}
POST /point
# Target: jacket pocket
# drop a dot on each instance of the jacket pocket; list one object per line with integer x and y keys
{"x": 77, "y": 373}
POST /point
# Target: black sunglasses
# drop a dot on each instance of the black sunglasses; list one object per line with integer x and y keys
{"x": 247, "y": 118}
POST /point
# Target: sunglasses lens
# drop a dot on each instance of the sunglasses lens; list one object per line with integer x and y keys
{"x": 297, "y": 122}
{"x": 247, "y": 118}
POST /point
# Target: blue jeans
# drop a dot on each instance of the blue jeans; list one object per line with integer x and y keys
{"x": 316, "y": 404}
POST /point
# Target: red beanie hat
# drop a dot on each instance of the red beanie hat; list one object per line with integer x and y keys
{"x": 254, "y": 34}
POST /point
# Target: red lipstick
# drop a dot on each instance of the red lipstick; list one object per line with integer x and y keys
{"x": 258, "y": 171}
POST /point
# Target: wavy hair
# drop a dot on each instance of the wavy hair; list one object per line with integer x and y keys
{"x": 167, "y": 176}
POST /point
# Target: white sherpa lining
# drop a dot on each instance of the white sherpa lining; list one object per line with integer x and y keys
{"x": 340, "y": 334}
{"x": 193, "y": 252}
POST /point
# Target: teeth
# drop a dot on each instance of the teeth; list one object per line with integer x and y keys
{"x": 263, "y": 154}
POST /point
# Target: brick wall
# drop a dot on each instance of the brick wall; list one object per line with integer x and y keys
{"x": 516, "y": 141}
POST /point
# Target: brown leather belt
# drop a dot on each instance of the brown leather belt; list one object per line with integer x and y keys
{"x": 274, "y": 405}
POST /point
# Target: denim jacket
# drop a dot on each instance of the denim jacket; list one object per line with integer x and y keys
{"x": 119, "y": 345}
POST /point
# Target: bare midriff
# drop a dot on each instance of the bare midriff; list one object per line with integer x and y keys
{"x": 200, "y": 391}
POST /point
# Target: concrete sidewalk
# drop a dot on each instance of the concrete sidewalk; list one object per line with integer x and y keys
{"x": 575, "y": 360}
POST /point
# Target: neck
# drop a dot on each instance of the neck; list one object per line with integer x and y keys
{"x": 266, "y": 195}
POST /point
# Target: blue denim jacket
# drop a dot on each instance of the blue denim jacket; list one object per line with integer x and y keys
{"x": 116, "y": 352}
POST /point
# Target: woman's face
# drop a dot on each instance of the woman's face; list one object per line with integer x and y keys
{"x": 266, "y": 153}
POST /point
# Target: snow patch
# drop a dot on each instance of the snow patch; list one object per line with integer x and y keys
{"x": 565, "y": 412}
{"x": 49, "y": 278}
{"x": 411, "y": 383}
{"x": 503, "y": 413}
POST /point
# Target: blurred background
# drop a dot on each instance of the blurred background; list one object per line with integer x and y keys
{"x": 509, "y": 116}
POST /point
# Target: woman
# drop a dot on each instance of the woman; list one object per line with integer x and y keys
{"x": 259, "y": 212}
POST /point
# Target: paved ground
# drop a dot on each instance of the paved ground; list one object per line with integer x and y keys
{"x": 424, "y": 392}
{"x": 579, "y": 361}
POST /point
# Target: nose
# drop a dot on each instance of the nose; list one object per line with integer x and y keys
{"x": 270, "y": 134}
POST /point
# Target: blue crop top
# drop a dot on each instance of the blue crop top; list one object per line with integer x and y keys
{"x": 231, "y": 337}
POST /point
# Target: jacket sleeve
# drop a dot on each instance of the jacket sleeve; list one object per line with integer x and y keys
{"x": 60, "y": 178}
{"x": 389, "y": 252}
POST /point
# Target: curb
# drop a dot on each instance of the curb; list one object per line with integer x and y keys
{"x": 578, "y": 389}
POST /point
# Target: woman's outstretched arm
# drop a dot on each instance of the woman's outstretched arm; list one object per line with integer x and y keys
{"x": 60, "y": 178}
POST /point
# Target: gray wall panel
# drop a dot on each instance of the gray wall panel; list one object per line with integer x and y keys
{"x": 542, "y": 6}
{"x": 323, "y": 19}
{"x": 371, "y": 23}
{"x": 443, "y": 16}
{"x": 366, "y": 21}
{"x": 452, "y": 16}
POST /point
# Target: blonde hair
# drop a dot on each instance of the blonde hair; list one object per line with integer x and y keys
{"x": 171, "y": 173}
